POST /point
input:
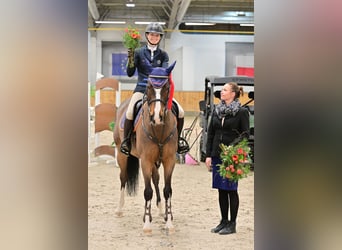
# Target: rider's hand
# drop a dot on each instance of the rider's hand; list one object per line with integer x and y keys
{"x": 131, "y": 58}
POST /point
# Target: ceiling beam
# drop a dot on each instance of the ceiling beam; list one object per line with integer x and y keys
{"x": 182, "y": 10}
{"x": 174, "y": 11}
{"x": 93, "y": 9}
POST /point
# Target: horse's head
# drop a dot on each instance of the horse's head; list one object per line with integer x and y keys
{"x": 157, "y": 93}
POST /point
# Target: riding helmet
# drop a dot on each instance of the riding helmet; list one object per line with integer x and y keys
{"x": 154, "y": 28}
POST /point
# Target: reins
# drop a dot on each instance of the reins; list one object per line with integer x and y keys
{"x": 153, "y": 137}
{"x": 156, "y": 100}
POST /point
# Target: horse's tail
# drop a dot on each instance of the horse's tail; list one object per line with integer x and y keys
{"x": 132, "y": 174}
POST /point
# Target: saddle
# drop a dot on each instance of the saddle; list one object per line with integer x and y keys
{"x": 137, "y": 113}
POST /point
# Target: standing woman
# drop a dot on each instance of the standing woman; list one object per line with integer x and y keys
{"x": 229, "y": 121}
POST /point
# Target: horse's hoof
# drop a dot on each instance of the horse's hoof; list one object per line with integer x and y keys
{"x": 169, "y": 227}
{"x": 170, "y": 230}
{"x": 147, "y": 228}
{"x": 147, "y": 231}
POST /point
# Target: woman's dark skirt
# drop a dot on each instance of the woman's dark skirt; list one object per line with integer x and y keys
{"x": 218, "y": 181}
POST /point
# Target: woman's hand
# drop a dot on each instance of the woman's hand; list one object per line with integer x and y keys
{"x": 208, "y": 163}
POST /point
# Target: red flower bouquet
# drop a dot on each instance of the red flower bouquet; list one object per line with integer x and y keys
{"x": 131, "y": 38}
{"x": 235, "y": 161}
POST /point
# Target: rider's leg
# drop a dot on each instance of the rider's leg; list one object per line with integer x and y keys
{"x": 128, "y": 126}
{"x": 183, "y": 145}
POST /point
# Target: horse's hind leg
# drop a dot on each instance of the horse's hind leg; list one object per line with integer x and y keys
{"x": 122, "y": 161}
{"x": 155, "y": 179}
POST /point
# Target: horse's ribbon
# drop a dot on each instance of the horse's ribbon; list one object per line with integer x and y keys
{"x": 172, "y": 88}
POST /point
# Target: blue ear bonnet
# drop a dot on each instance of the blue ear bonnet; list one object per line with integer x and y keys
{"x": 159, "y": 76}
{"x": 159, "y": 71}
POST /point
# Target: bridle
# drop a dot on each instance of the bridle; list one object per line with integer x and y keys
{"x": 157, "y": 83}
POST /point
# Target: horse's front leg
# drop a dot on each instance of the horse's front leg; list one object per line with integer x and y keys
{"x": 155, "y": 179}
{"x": 167, "y": 195}
{"x": 148, "y": 193}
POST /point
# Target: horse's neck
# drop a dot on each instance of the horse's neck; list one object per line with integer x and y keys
{"x": 167, "y": 126}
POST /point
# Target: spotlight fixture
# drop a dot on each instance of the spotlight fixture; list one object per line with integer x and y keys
{"x": 130, "y": 4}
{"x": 240, "y": 13}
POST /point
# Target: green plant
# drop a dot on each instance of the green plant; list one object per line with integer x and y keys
{"x": 111, "y": 126}
{"x": 92, "y": 90}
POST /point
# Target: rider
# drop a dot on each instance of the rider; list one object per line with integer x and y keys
{"x": 157, "y": 58}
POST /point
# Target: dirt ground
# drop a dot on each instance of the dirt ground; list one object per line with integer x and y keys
{"x": 194, "y": 205}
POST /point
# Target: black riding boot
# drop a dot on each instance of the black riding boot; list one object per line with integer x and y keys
{"x": 183, "y": 146}
{"x": 126, "y": 143}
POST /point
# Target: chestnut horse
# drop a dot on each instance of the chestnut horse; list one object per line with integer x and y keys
{"x": 154, "y": 143}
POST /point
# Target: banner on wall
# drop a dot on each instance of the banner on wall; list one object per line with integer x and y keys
{"x": 119, "y": 61}
{"x": 245, "y": 71}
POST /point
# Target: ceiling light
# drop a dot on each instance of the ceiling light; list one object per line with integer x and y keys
{"x": 111, "y": 22}
{"x": 203, "y": 24}
{"x": 246, "y": 24}
{"x": 141, "y": 22}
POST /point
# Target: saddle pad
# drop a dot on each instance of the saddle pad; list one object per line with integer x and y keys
{"x": 136, "y": 119}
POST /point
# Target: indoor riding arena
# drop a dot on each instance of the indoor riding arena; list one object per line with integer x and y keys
{"x": 206, "y": 45}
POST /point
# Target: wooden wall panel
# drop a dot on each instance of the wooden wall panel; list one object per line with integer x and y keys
{"x": 125, "y": 94}
{"x": 107, "y": 96}
{"x": 188, "y": 99}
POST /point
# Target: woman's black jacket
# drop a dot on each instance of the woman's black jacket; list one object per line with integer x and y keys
{"x": 232, "y": 128}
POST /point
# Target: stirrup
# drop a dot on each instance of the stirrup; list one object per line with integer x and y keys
{"x": 183, "y": 146}
{"x": 125, "y": 148}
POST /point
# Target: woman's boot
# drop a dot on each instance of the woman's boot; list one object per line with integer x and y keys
{"x": 219, "y": 227}
{"x": 230, "y": 228}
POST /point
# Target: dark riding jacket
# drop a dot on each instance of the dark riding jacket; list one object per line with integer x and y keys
{"x": 141, "y": 55}
{"x": 232, "y": 128}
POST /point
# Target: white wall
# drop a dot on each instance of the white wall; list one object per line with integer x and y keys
{"x": 197, "y": 56}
